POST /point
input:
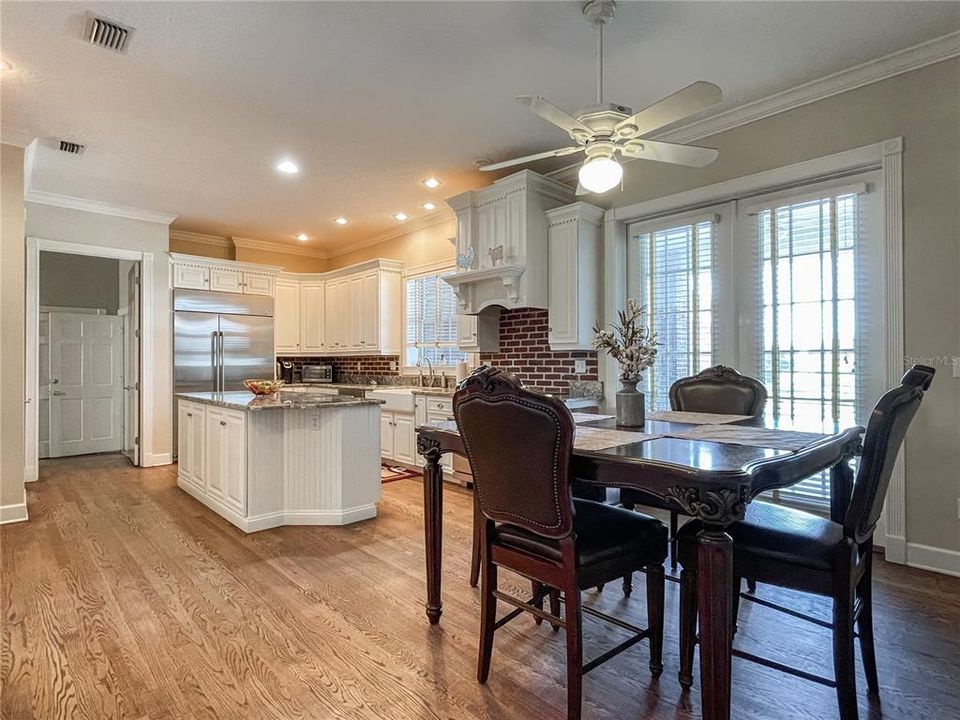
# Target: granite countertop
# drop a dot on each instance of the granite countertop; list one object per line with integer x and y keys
{"x": 243, "y": 400}
{"x": 416, "y": 389}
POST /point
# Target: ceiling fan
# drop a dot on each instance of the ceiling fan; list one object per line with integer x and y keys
{"x": 605, "y": 129}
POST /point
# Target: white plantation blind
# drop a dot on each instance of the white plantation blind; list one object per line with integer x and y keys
{"x": 671, "y": 266}
{"x": 814, "y": 328}
{"x": 430, "y": 325}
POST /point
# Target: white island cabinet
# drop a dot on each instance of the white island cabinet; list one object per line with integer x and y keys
{"x": 293, "y": 459}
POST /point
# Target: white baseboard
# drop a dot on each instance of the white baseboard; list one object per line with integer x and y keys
{"x": 309, "y": 517}
{"x": 14, "y": 513}
{"x": 925, "y": 557}
{"x": 156, "y": 459}
{"x": 895, "y": 549}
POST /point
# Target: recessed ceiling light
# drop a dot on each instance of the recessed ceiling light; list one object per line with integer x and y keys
{"x": 429, "y": 206}
{"x": 303, "y": 237}
{"x": 341, "y": 220}
{"x": 400, "y": 216}
{"x": 432, "y": 183}
{"x": 288, "y": 166}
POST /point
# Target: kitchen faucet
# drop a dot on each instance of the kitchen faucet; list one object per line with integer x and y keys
{"x": 420, "y": 362}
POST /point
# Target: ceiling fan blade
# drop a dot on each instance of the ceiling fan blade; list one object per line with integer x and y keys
{"x": 530, "y": 158}
{"x": 692, "y": 99}
{"x": 689, "y": 155}
{"x": 552, "y": 114}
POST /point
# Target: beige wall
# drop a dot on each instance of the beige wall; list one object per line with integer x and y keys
{"x": 12, "y": 255}
{"x": 924, "y": 108}
{"x": 77, "y": 226}
{"x": 178, "y": 245}
{"x": 420, "y": 247}
{"x": 289, "y": 262}
{"x": 79, "y": 281}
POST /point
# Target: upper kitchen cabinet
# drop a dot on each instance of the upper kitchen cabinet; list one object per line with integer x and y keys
{"x": 502, "y": 244}
{"x": 287, "y": 314}
{"x": 313, "y": 315}
{"x": 575, "y": 235}
{"x": 192, "y": 272}
{"x": 363, "y": 306}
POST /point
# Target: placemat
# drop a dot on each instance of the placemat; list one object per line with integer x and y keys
{"x": 751, "y": 436}
{"x": 602, "y": 439}
{"x": 695, "y": 418}
{"x": 588, "y": 417}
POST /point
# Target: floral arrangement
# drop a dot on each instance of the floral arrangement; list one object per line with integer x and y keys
{"x": 629, "y": 341}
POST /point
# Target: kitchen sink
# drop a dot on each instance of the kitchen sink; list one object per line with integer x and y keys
{"x": 394, "y": 399}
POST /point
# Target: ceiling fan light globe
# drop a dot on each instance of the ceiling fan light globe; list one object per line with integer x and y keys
{"x": 599, "y": 174}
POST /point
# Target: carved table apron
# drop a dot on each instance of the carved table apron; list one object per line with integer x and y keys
{"x": 707, "y": 480}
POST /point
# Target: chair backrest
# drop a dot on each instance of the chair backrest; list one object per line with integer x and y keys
{"x": 719, "y": 390}
{"x": 885, "y": 433}
{"x": 519, "y": 444}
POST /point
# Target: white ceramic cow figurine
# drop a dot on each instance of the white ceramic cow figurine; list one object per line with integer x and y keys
{"x": 496, "y": 255}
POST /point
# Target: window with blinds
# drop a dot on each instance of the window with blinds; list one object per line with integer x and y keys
{"x": 671, "y": 271}
{"x": 430, "y": 325}
{"x": 810, "y": 334}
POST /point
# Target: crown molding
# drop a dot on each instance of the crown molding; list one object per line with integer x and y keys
{"x": 16, "y": 136}
{"x": 872, "y": 71}
{"x": 95, "y": 206}
{"x": 276, "y": 247}
{"x": 200, "y": 238}
{"x": 411, "y": 226}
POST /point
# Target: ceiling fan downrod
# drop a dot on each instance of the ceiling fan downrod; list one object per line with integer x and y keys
{"x": 598, "y": 13}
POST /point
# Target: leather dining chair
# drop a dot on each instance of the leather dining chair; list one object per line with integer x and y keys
{"x": 519, "y": 444}
{"x": 719, "y": 389}
{"x": 797, "y": 550}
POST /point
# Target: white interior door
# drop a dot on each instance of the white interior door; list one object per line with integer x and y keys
{"x": 86, "y": 397}
{"x": 131, "y": 367}
{"x": 43, "y": 387}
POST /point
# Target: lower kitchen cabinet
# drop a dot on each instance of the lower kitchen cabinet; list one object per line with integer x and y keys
{"x": 431, "y": 410}
{"x": 398, "y": 437}
{"x": 212, "y": 453}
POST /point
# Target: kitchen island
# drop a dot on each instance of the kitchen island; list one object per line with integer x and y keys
{"x": 289, "y": 459}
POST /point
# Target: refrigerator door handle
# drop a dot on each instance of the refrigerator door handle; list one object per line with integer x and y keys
{"x": 220, "y": 360}
{"x": 215, "y": 360}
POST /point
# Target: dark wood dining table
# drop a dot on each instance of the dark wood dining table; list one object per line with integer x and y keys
{"x": 712, "y": 481}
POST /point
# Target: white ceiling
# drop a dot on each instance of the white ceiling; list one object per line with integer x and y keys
{"x": 372, "y": 97}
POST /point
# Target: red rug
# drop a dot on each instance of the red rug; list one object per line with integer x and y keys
{"x": 389, "y": 473}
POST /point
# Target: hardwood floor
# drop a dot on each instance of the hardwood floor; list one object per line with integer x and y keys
{"x": 124, "y": 598}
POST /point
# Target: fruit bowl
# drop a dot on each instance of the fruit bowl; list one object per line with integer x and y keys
{"x": 263, "y": 387}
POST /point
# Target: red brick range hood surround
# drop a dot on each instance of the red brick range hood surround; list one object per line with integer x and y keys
{"x": 525, "y": 351}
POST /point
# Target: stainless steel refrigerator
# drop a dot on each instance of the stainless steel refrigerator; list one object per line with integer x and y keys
{"x": 219, "y": 340}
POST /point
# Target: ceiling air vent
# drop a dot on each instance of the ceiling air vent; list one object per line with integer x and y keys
{"x": 72, "y": 148}
{"x": 108, "y": 34}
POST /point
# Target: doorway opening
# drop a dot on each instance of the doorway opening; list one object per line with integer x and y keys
{"x": 88, "y": 355}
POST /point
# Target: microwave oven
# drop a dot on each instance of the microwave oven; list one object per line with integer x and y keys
{"x": 316, "y": 373}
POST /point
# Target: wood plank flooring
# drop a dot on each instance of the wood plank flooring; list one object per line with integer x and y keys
{"x": 124, "y": 598}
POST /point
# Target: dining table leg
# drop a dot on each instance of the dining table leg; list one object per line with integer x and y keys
{"x": 715, "y": 595}
{"x": 433, "y": 531}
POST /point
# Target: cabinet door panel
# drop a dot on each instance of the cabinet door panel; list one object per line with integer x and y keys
{"x": 233, "y": 462}
{"x": 257, "y": 284}
{"x": 191, "y": 277}
{"x": 386, "y": 436}
{"x": 215, "y": 451}
{"x": 226, "y": 280}
{"x": 563, "y": 284}
{"x": 355, "y": 312}
{"x": 403, "y": 438}
{"x": 313, "y": 318}
{"x": 370, "y": 311}
{"x": 286, "y": 321}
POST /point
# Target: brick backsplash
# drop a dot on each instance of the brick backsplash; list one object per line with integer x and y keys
{"x": 525, "y": 351}
{"x": 346, "y": 368}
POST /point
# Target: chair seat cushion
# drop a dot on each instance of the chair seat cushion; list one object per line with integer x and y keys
{"x": 775, "y": 533}
{"x": 604, "y": 534}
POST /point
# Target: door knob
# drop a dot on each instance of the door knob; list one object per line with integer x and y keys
{"x": 58, "y": 392}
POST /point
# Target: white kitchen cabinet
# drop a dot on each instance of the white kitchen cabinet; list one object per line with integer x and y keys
{"x": 575, "y": 239}
{"x": 286, "y": 315}
{"x": 370, "y": 311}
{"x": 225, "y": 452}
{"x": 398, "y": 437}
{"x": 190, "y": 442}
{"x": 255, "y": 283}
{"x": 355, "y": 304}
{"x": 226, "y": 280}
{"x": 363, "y": 309}
{"x": 312, "y": 317}
{"x": 191, "y": 277}
{"x": 336, "y": 312}
{"x": 479, "y": 333}
{"x": 440, "y": 409}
